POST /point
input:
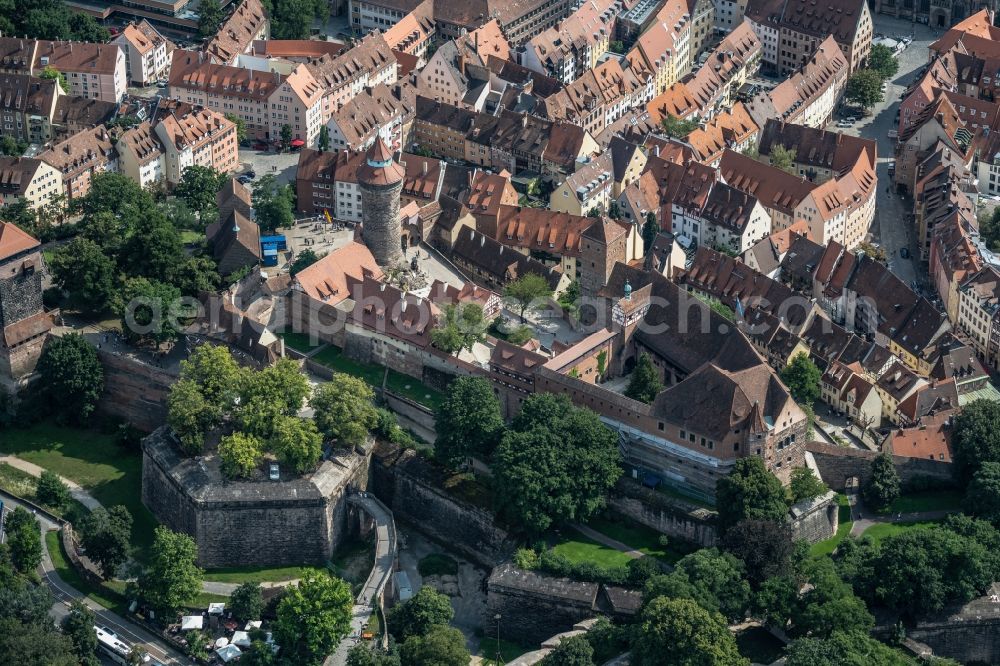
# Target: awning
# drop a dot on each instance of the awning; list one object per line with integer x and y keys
{"x": 228, "y": 653}
{"x": 298, "y": 143}
{"x": 241, "y": 638}
{"x": 216, "y": 609}
{"x": 189, "y": 622}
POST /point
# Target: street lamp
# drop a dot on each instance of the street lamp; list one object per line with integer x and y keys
{"x": 497, "y": 618}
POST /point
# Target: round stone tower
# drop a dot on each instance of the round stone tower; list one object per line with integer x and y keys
{"x": 381, "y": 181}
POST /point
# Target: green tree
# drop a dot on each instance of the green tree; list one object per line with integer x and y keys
{"x": 805, "y": 485}
{"x": 240, "y": 455}
{"x": 34, "y": 643}
{"x": 783, "y": 158}
{"x": 312, "y": 617}
{"x": 190, "y": 415}
{"x": 303, "y": 260}
{"x": 11, "y": 146}
{"x": 883, "y": 60}
{"x": 148, "y": 310}
{"x": 286, "y": 136}
{"x": 72, "y": 377}
{"x": 982, "y": 497}
{"x": 749, "y": 491}
{"x": 682, "y": 633}
{"x": 644, "y": 384}
{"x": 802, "y": 377}
{"x": 171, "y": 577}
{"x": 279, "y": 390}
{"x": 86, "y": 273}
{"x": 198, "y": 187}
{"x": 272, "y": 204}
{"x": 468, "y": 421}
{"x": 297, "y": 443}
{"x": 417, "y": 615}
{"x": 241, "y": 127}
{"x": 344, "y": 409}
{"x": 20, "y": 213}
{"x": 572, "y": 651}
{"x": 78, "y": 625}
{"x": 210, "y": 17}
{"x": 247, "y": 601}
{"x": 526, "y": 292}
{"x": 85, "y": 28}
{"x": 197, "y": 275}
{"x": 324, "y": 139}
{"x": 215, "y": 373}
{"x": 153, "y": 250}
{"x": 842, "y": 649}
{"x": 51, "y": 491}
{"x": 461, "y": 327}
{"x": 976, "y": 436}
{"x": 50, "y": 72}
{"x": 441, "y": 646}
{"x": 882, "y": 487}
{"x": 555, "y": 464}
{"x": 829, "y": 605}
{"x": 106, "y": 534}
{"x": 713, "y": 579}
{"x": 764, "y": 546}
{"x": 677, "y": 128}
{"x": 864, "y": 88}
{"x": 24, "y": 540}
{"x": 650, "y": 229}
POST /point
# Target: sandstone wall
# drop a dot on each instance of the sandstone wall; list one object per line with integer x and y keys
{"x": 410, "y": 410}
{"x": 664, "y": 514}
{"x": 838, "y": 464}
{"x": 134, "y": 391}
{"x": 260, "y": 523}
{"x": 528, "y": 618}
{"x": 816, "y": 519}
{"x": 964, "y": 640}
{"x": 411, "y": 486}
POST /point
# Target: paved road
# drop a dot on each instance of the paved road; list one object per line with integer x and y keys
{"x": 892, "y": 227}
{"x": 385, "y": 559}
{"x": 64, "y": 594}
{"x": 864, "y": 518}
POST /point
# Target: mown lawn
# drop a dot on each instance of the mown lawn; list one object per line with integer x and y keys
{"x": 883, "y": 530}
{"x": 578, "y": 548}
{"x": 508, "y": 651}
{"x": 24, "y": 485}
{"x": 928, "y": 500}
{"x": 258, "y": 574}
{"x": 93, "y": 460}
{"x": 334, "y": 358}
{"x": 844, "y": 525}
{"x": 298, "y": 341}
{"x": 639, "y": 537}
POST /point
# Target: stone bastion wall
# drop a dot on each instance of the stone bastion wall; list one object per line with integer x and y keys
{"x": 250, "y": 523}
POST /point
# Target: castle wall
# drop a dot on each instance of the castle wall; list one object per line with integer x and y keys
{"x": 664, "y": 514}
{"x": 134, "y": 391}
{"x": 816, "y": 519}
{"x": 411, "y": 487}
{"x": 837, "y": 465}
{"x": 252, "y": 523}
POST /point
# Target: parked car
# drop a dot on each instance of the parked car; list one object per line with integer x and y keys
{"x": 844, "y": 123}
{"x": 251, "y": 174}
{"x": 893, "y": 134}
{"x": 904, "y": 252}
{"x": 243, "y": 179}
{"x": 273, "y": 472}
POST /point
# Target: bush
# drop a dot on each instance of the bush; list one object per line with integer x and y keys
{"x": 52, "y": 491}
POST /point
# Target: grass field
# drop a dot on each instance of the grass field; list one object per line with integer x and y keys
{"x": 93, "y": 460}
{"x": 883, "y": 530}
{"x": 928, "y": 500}
{"x": 437, "y": 564}
{"x": 639, "y": 537}
{"x": 334, "y": 358}
{"x": 24, "y": 485}
{"x": 298, "y": 341}
{"x": 508, "y": 651}
{"x": 843, "y": 529}
{"x": 578, "y": 548}
{"x": 258, "y": 574}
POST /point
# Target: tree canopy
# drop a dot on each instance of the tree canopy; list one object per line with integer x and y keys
{"x": 199, "y": 185}
{"x": 802, "y": 378}
{"x": 416, "y": 616}
{"x": 750, "y": 491}
{"x": 783, "y": 158}
{"x": 572, "y": 651}
{"x": 882, "y": 487}
{"x": 527, "y": 292}
{"x": 171, "y": 577}
{"x": 273, "y": 204}
{"x": 210, "y": 17}
{"x": 975, "y": 438}
{"x": 982, "y": 497}
{"x": 682, "y": 633}
{"x": 713, "y": 579}
{"x": 882, "y": 59}
{"x": 441, "y": 646}
{"x": 303, "y": 260}
{"x": 864, "y": 88}
{"x": 344, "y": 409}
{"x": 106, "y": 534}
{"x": 556, "y": 463}
{"x": 23, "y": 539}
{"x": 51, "y": 490}
{"x": 644, "y": 383}
{"x": 312, "y": 617}
{"x": 468, "y": 421}
{"x": 72, "y": 377}
{"x": 297, "y": 442}
{"x": 86, "y": 273}
{"x": 240, "y": 455}
{"x": 461, "y": 326}
{"x": 78, "y": 625}
{"x": 806, "y": 485}
{"x": 677, "y": 128}
{"x": 763, "y": 546}
{"x": 247, "y": 601}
